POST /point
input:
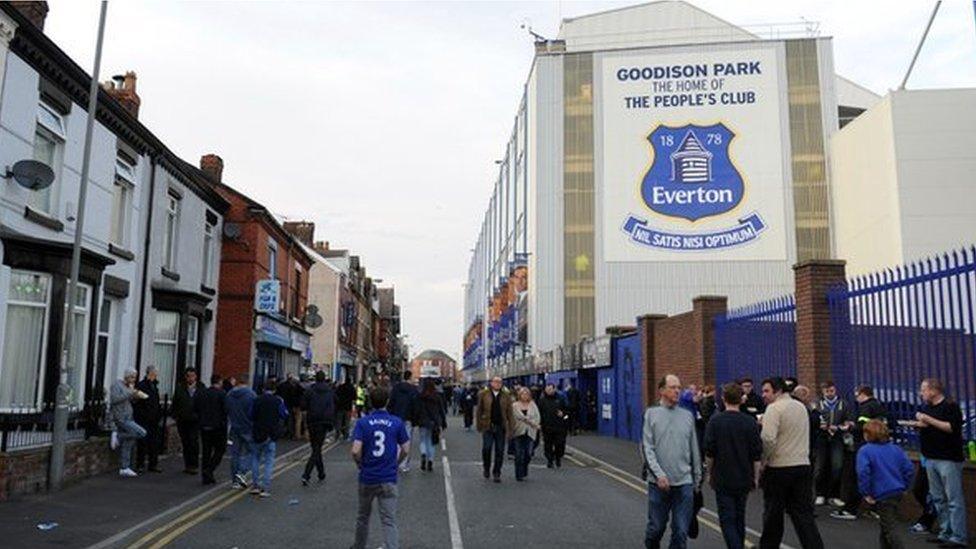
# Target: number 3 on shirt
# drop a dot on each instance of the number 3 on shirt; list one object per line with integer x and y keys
{"x": 379, "y": 442}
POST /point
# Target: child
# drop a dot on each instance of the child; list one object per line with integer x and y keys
{"x": 884, "y": 473}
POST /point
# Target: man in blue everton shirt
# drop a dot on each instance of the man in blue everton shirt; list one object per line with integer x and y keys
{"x": 380, "y": 443}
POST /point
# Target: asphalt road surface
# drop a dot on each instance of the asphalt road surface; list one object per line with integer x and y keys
{"x": 593, "y": 501}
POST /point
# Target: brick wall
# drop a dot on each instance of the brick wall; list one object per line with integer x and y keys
{"x": 25, "y": 471}
{"x": 812, "y": 280}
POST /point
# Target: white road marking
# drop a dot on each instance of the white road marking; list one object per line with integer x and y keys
{"x": 452, "y": 518}
{"x": 620, "y": 471}
{"x": 443, "y": 444}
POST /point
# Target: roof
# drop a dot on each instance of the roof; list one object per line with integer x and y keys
{"x": 263, "y": 211}
{"x": 318, "y": 259}
{"x": 434, "y": 354}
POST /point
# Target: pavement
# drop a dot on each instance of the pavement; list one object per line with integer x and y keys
{"x": 594, "y": 500}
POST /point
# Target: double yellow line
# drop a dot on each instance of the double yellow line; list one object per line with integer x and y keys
{"x": 165, "y": 534}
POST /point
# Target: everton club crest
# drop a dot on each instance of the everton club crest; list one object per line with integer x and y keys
{"x": 692, "y": 177}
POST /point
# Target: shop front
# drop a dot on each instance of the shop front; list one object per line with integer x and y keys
{"x": 272, "y": 340}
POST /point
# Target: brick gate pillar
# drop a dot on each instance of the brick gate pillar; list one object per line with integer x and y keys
{"x": 645, "y": 326}
{"x": 813, "y": 279}
{"x": 706, "y": 308}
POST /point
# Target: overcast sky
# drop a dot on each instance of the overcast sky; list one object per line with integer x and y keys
{"x": 381, "y": 122}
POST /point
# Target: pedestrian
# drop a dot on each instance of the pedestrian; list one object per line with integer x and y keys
{"x": 573, "y": 407}
{"x": 884, "y": 473}
{"x": 210, "y": 406}
{"x": 733, "y": 457}
{"x": 403, "y": 404}
{"x": 148, "y": 414}
{"x": 829, "y": 463}
{"x": 319, "y": 403}
{"x": 269, "y": 415}
{"x": 554, "y": 426}
{"x": 229, "y": 383}
{"x": 939, "y": 423}
{"x": 752, "y": 404}
{"x": 495, "y": 425}
{"x": 240, "y": 408}
{"x": 467, "y": 406}
{"x": 187, "y": 422}
{"x": 526, "y": 431}
{"x": 345, "y": 396}
{"x": 804, "y": 395}
{"x": 291, "y": 392}
{"x": 386, "y": 443}
{"x": 787, "y": 478}
{"x": 670, "y": 449}
{"x": 121, "y": 396}
{"x": 867, "y": 408}
{"x": 431, "y": 419}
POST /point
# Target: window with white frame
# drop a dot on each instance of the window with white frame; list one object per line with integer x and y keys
{"x": 166, "y": 335}
{"x": 122, "y": 202}
{"x": 25, "y": 340}
{"x": 172, "y": 231}
{"x": 103, "y": 341}
{"x": 192, "y": 336}
{"x": 272, "y": 260}
{"x": 49, "y": 139}
{"x": 208, "y": 253}
{"x": 80, "y": 317}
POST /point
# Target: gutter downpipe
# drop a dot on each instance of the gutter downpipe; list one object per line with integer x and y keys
{"x": 145, "y": 262}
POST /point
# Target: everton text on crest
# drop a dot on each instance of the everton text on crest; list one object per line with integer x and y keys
{"x": 692, "y": 177}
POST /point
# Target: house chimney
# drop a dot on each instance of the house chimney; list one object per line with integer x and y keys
{"x": 35, "y": 12}
{"x": 213, "y": 166}
{"x": 321, "y": 246}
{"x": 123, "y": 88}
{"x": 304, "y": 231}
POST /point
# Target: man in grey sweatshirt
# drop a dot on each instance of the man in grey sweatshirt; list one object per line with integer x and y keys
{"x": 670, "y": 448}
{"x": 127, "y": 431}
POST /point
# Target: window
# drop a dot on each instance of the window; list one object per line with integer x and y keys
{"x": 48, "y": 141}
{"x": 170, "y": 236}
{"x": 165, "y": 343}
{"x": 25, "y": 339}
{"x": 296, "y": 310}
{"x": 103, "y": 342}
{"x": 272, "y": 260}
{"x": 80, "y": 315}
{"x": 192, "y": 333}
{"x": 208, "y": 253}
{"x": 121, "y": 202}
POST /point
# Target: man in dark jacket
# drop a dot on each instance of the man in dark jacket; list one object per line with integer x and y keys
{"x": 345, "y": 395}
{"x": 554, "y": 426}
{"x": 866, "y": 409}
{"x": 269, "y": 414}
{"x": 291, "y": 391}
{"x": 146, "y": 412}
{"x": 573, "y": 407}
{"x": 752, "y": 404}
{"x": 403, "y": 404}
{"x": 240, "y": 413}
{"x": 319, "y": 405}
{"x": 211, "y": 409}
{"x": 187, "y": 421}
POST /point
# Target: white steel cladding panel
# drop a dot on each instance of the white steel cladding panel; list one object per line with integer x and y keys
{"x": 694, "y": 154}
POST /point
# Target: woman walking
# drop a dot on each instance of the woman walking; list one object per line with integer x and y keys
{"x": 431, "y": 419}
{"x": 527, "y": 420}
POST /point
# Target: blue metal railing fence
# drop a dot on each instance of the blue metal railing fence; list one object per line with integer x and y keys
{"x": 756, "y": 341}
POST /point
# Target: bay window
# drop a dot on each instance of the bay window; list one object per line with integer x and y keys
{"x": 166, "y": 337}
{"x": 80, "y": 316}
{"x": 192, "y": 333}
{"x": 25, "y": 340}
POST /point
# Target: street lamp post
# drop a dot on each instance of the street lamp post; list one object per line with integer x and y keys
{"x": 61, "y": 409}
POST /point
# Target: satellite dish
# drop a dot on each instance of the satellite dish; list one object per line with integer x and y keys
{"x": 313, "y": 321}
{"x": 31, "y": 174}
{"x": 312, "y": 310}
{"x": 232, "y": 231}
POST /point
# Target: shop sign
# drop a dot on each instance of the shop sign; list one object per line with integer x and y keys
{"x": 271, "y": 331}
{"x": 267, "y": 295}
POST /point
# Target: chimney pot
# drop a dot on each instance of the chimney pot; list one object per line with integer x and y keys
{"x": 213, "y": 166}
{"x": 123, "y": 89}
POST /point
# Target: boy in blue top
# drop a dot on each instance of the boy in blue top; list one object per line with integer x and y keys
{"x": 884, "y": 473}
{"x": 380, "y": 443}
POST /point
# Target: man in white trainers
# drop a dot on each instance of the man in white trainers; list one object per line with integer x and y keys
{"x": 127, "y": 431}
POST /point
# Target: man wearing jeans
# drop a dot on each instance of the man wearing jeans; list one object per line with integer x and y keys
{"x": 670, "y": 448}
{"x": 269, "y": 414}
{"x": 240, "y": 405}
{"x": 733, "y": 453}
{"x": 940, "y": 436}
{"x": 127, "y": 431}
{"x": 788, "y": 478}
{"x": 380, "y": 443}
{"x": 495, "y": 423}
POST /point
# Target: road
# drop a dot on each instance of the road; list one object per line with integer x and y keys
{"x": 590, "y": 502}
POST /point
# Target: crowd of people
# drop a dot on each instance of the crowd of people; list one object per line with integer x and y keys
{"x": 802, "y": 451}
{"x": 800, "y": 448}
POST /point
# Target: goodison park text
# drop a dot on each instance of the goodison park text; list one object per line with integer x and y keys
{"x": 660, "y": 195}
{"x": 700, "y": 70}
